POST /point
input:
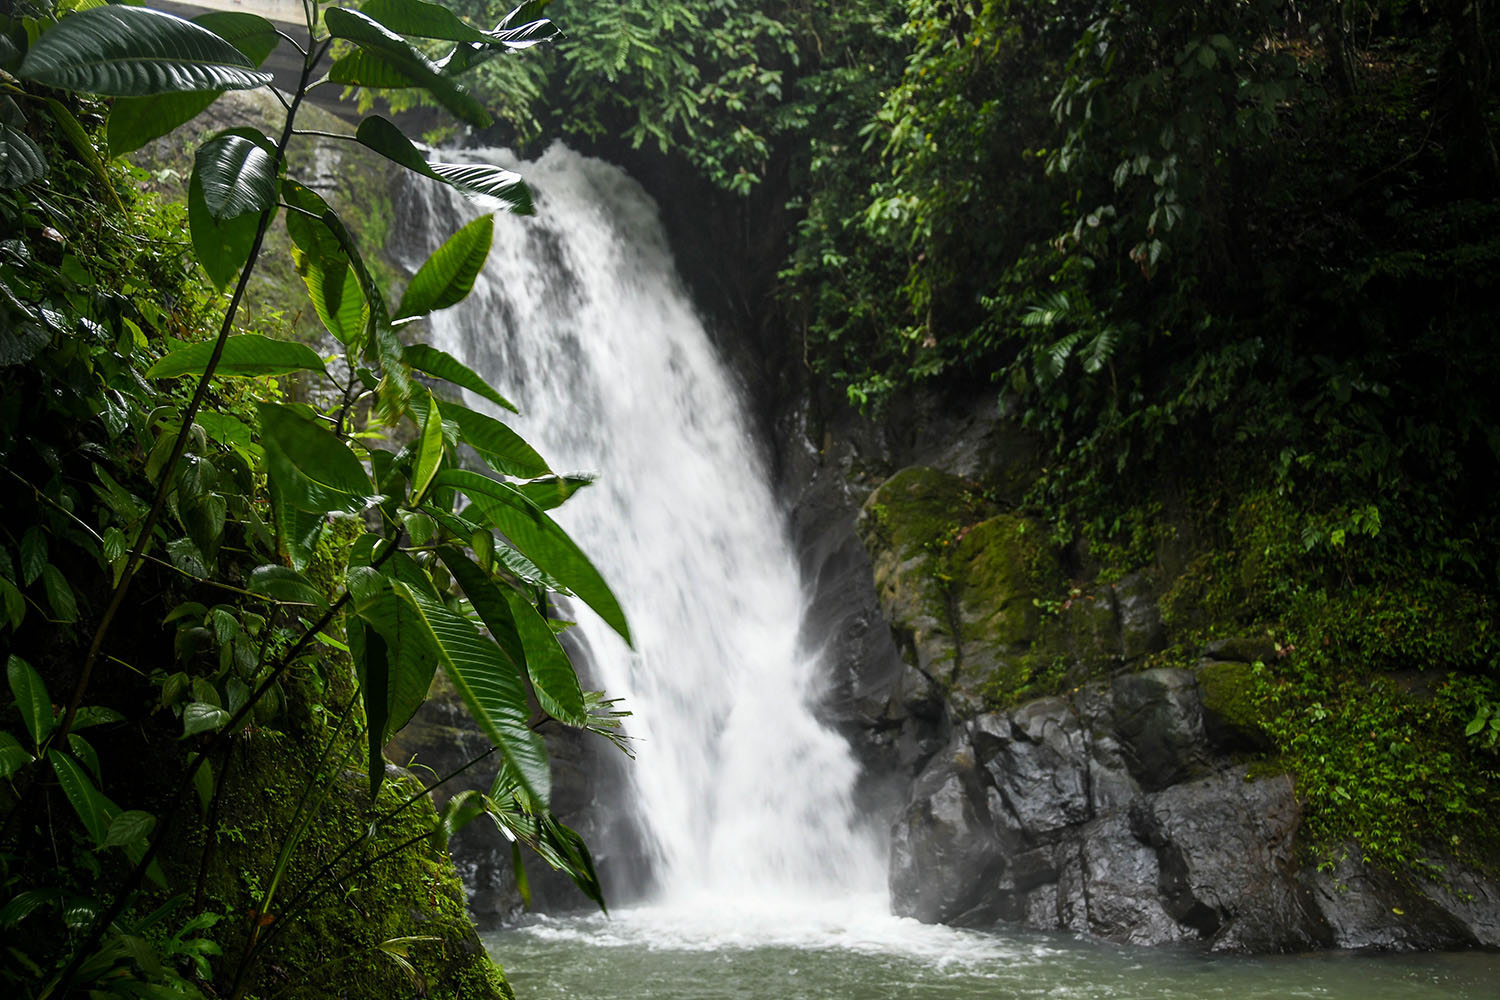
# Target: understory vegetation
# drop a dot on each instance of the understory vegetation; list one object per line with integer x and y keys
{"x": 231, "y": 563}
{"x": 1231, "y": 263}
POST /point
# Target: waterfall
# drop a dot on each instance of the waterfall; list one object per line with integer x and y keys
{"x": 581, "y": 320}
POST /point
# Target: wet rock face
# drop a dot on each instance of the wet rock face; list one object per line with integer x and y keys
{"x": 1121, "y": 808}
{"x": 1112, "y": 812}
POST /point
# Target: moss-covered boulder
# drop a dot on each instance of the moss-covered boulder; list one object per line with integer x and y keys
{"x": 364, "y": 906}
{"x": 908, "y": 526}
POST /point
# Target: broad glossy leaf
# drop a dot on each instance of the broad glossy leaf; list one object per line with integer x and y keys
{"x": 333, "y": 282}
{"x": 483, "y": 593}
{"x": 336, "y": 296}
{"x": 13, "y": 756}
{"x": 95, "y": 715}
{"x": 385, "y": 50}
{"x": 429, "y": 454}
{"x": 522, "y": 28}
{"x": 21, "y": 160}
{"x": 237, "y": 174}
{"x": 496, "y": 443}
{"x": 420, "y": 19}
{"x": 490, "y": 181}
{"x": 554, "y": 490}
{"x": 221, "y": 247}
{"x": 490, "y": 686}
{"x": 252, "y": 34}
{"x": 128, "y": 827}
{"x": 134, "y": 51}
{"x": 380, "y": 135}
{"x": 524, "y": 635}
{"x": 31, "y": 697}
{"x": 135, "y": 121}
{"x": 59, "y": 594}
{"x": 88, "y": 802}
{"x": 202, "y": 717}
{"x": 390, "y": 610}
{"x": 317, "y": 455}
{"x": 551, "y": 672}
{"x": 85, "y": 753}
{"x": 245, "y": 354}
{"x": 540, "y": 540}
{"x": 280, "y": 583}
{"x": 441, "y": 364}
{"x": 447, "y": 277}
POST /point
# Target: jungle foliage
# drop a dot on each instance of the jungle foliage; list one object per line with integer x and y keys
{"x": 1231, "y": 262}
{"x": 201, "y": 567}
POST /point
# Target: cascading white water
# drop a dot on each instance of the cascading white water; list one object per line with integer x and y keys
{"x": 582, "y": 321}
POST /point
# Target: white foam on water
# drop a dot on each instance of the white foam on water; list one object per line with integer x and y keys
{"x": 859, "y": 924}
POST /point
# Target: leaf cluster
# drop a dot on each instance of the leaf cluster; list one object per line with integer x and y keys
{"x": 278, "y": 542}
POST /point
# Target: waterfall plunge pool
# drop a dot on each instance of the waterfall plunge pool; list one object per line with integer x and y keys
{"x": 705, "y": 952}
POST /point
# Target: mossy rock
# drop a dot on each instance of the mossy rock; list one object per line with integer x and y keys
{"x": 919, "y": 509}
{"x": 392, "y": 892}
{"x": 1232, "y": 715}
{"x": 1009, "y": 646}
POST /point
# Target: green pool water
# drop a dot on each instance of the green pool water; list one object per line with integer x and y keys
{"x": 715, "y": 950}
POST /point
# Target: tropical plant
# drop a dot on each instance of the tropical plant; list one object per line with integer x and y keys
{"x": 347, "y": 525}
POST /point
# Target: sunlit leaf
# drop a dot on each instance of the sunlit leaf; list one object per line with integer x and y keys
{"x": 21, "y": 160}
{"x": 134, "y": 51}
{"x": 247, "y": 354}
{"x": 384, "y": 50}
{"x": 447, "y": 276}
{"x": 135, "y": 121}
{"x": 496, "y": 443}
{"x": 31, "y": 697}
{"x": 441, "y": 364}
{"x": 539, "y": 539}
{"x": 237, "y": 175}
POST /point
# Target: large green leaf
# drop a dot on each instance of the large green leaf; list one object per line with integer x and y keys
{"x": 135, "y": 121}
{"x": 252, "y": 34}
{"x": 389, "y": 608}
{"x": 245, "y": 354}
{"x": 134, "y": 51}
{"x": 547, "y": 663}
{"x": 539, "y": 539}
{"x": 386, "y": 56}
{"x": 21, "y": 160}
{"x": 496, "y": 443}
{"x": 280, "y": 583}
{"x": 237, "y": 174}
{"x": 333, "y": 282}
{"x": 483, "y": 594}
{"x": 221, "y": 247}
{"x": 522, "y": 28}
{"x": 441, "y": 364}
{"x": 389, "y": 141}
{"x": 490, "y": 686}
{"x": 316, "y": 455}
{"x": 447, "y": 277}
{"x": 420, "y": 19}
{"x": 429, "y": 454}
{"x": 31, "y": 697}
{"x": 490, "y": 181}
{"x": 13, "y": 756}
{"x": 92, "y": 807}
{"x": 554, "y": 490}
